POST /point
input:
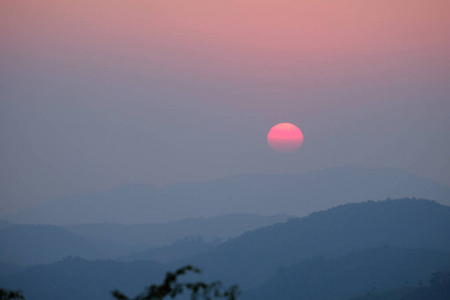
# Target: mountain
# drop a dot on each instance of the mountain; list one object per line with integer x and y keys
{"x": 357, "y": 273}
{"x": 41, "y": 244}
{"x": 178, "y": 250}
{"x": 4, "y": 224}
{"x": 116, "y": 206}
{"x": 75, "y": 278}
{"x": 252, "y": 193}
{"x": 9, "y": 269}
{"x": 439, "y": 289}
{"x": 141, "y": 237}
{"x": 254, "y": 257}
{"x": 343, "y": 252}
{"x": 315, "y": 279}
{"x": 399, "y": 293}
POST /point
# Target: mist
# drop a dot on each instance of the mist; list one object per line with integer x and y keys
{"x": 134, "y": 142}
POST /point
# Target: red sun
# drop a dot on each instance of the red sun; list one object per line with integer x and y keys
{"x": 285, "y": 138}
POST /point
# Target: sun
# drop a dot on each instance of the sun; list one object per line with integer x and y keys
{"x": 285, "y": 138}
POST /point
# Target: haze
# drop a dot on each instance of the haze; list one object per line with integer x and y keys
{"x": 135, "y": 141}
{"x": 100, "y": 94}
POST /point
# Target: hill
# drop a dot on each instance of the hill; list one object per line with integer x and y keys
{"x": 75, "y": 278}
{"x": 9, "y": 269}
{"x": 346, "y": 251}
{"x": 357, "y": 273}
{"x": 4, "y": 224}
{"x": 363, "y": 272}
{"x": 253, "y": 193}
{"x": 438, "y": 289}
{"x": 142, "y": 237}
{"x": 254, "y": 257}
{"x": 41, "y": 244}
{"x": 178, "y": 250}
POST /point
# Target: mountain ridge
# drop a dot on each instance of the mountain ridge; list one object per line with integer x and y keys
{"x": 42, "y": 244}
{"x": 255, "y": 256}
{"x": 263, "y": 194}
{"x": 392, "y": 236}
{"x": 356, "y": 273}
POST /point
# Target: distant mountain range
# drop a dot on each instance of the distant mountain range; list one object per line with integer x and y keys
{"x": 9, "y": 269}
{"x": 337, "y": 254}
{"x": 178, "y": 250}
{"x": 354, "y": 274}
{"x": 255, "y": 256}
{"x": 74, "y": 279}
{"x": 337, "y": 278}
{"x": 296, "y": 195}
{"x": 437, "y": 288}
{"x": 141, "y": 237}
{"x": 42, "y": 244}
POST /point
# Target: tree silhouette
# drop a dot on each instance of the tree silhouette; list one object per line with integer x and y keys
{"x": 10, "y": 295}
{"x": 170, "y": 287}
{"x": 440, "y": 279}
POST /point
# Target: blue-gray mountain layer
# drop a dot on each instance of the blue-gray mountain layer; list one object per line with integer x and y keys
{"x": 254, "y": 193}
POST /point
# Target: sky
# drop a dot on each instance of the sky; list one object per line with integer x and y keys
{"x": 96, "y": 94}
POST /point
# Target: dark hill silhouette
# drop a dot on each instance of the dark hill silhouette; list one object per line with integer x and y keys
{"x": 343, "y": 277}
{"x": 253, "y": 193}
{"x": 254, "y": 257}
{"x": 40, "y": 244}
{"x": 400, "y": 293}
{"x": 438, "y": 289}
{"x": 340, "y": 235}
{"x": 75, "y": 279}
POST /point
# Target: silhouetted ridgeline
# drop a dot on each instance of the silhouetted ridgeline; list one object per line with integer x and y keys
{"x": 178, "y": 250}
{"x": 141, "y": 237}
{"x": 334, "y": 254}
{"x": 39, "y": 244}
{"x": 254, "y": 257}
{"x": 438, "y": 289}
{"x": 353, "y": 274}
{"x": 75, "y": 279}
{"x": 252, "y": 193}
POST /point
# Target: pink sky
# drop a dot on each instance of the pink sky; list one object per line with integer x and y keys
{"x": 160, "y": 91}
{"x": 270, "y": 45}
{"x": 253, "y": 35}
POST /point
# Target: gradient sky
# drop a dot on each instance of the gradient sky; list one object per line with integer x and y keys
{"x": 96, "y": 94}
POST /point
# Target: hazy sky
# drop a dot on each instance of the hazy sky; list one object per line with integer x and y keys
{"x": 96, "y": 94}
